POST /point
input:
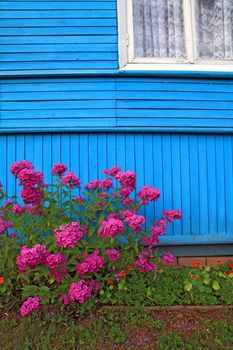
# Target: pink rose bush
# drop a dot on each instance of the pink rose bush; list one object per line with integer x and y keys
{"x": 82, "y": 247}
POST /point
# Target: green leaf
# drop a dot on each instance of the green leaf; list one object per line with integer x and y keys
{"x": 188, "y": 286}
{"x": 216, "y": 285}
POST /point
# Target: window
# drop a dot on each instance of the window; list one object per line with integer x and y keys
{"x": 184, "y": 33}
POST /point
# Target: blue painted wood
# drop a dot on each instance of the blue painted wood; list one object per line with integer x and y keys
{"x": 186, "y": 168}
{"x": 38, "y": 35}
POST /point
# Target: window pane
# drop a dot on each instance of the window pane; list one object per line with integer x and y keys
{"x": 214, "y": 27}
{"x": 159, "y": 28}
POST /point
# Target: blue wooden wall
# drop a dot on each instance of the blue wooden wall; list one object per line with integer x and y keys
{"x": 63, "y": 99}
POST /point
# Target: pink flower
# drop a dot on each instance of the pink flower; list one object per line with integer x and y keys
{"x": 59, "y": 169}
{"x": 125, "y": 191}
{"x": 148, "y": 193}
{"x": 144, "y": 263}
{"x": 135, "y": 222}
{"x": 78, "y": 199}
{"x": 91, "y": 264}
{"x": 70, "y": 180}
{"x": 168, "y": 257}
{"x": 31, "y": 304}
{"x": 93, "y": 185}
{"x": 112, "y": 172}
{"x": 68, "y": 235}
{"x": 18, "y": 166}
{"x": 156, "y": 231}
{"x": 127, "y": 213}
{"x": 111, "y": 228}
{"x": 17, "y": 209}
{"x": 127, "y": 201}
{"x": 31, "y": 257}
{"x": 58, "y": 272}
{"x": 30, "y": 178}
{"x": 1, "y": 184}
{"x": 64, "y": 299}
{"x": 172, "y": 215}
{"x": 106, "y": 184}
{"x": 112, "y": 254}
{"x": 79, "y": 291}
{"x": 53, "y": 260}
{"x": 127, "y": 179}
{"x": 32, "y": 195}
{"x": 4, "y": 225}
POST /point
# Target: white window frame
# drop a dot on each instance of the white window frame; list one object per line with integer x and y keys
{"x": 127, "y": 61}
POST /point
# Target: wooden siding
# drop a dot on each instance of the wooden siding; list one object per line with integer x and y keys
{"x": 77, "y": 103}
{"x": 194, "y": 172}
{"x": 58, "y": 35}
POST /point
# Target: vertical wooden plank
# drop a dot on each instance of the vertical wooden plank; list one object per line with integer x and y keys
{"x": 20, "y": 154}
{"x": 93, "y": 156}
{"x": 38, "y": 152}
{"x": 139, "y": 164}
{"x": 102, "y": 154}
{"x": 185, "y": 180}
{"x": 194, "y": 188}
{"x": 84, "y": 159}
{"x": 228, "y": 164}
{"x": 220, "y": 189}
{"x": 3, "y": 162}
{"x": 167, "y": 175}
{"x": 65, "y": 150}
{"x": 11, "y": 157}
{"x": 121, "y": 151}
{"x": 158, "y": 172}
{"x": 149, "y": 175}
{"x": 111, "y": 150}
{"x": 176, "y": 181}
{"x": 212, "y": 185}
{"x": 47, "y": 157}
{"x": 203, "y": 179}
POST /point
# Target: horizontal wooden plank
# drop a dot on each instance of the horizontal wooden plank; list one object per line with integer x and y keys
{"x": 178, "y": 113}
{"x": 50, "y": 14}
{"x": 59, "y": 31}
{"x": 186, "y": 86}
{"x": 75, "y": 85}
{"x": 175, "y": 122}
{"x": 69, "y": 22}
{"x": 58, "y": 96}
{"x": 60, "y": 65}
{"x": 61, "y": 114}
{"x": 58, "y": 56}
{"x": 41, "y": 105}
{"x": 60, "y": 5}
{"x": 73, "y": 39}
{"x": 142, "y": 104}
{"x": 39, "y": 48}
{"x": 53, "y": 123}
{"x": 169, "y": 95}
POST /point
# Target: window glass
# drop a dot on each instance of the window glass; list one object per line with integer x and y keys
{"x": 214, "y": 29}
{"x": 159, "y": 28}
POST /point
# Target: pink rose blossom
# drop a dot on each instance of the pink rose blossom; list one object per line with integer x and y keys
{"x": 59, "y": 169}
{"x": 31, "y": 257}
{"x": 17, "y": 209}
{"x": 78, "y": 199}
{"x": 64, "y": 299}
{"x": 127, "y": 179}
{"x": 32, "y": 195}
{"x": 30, "y": 178}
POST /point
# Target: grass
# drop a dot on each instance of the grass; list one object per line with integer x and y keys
{"x": 130, "y": 329}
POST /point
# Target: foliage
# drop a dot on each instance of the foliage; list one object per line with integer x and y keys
{"x": 79, "y": 247}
